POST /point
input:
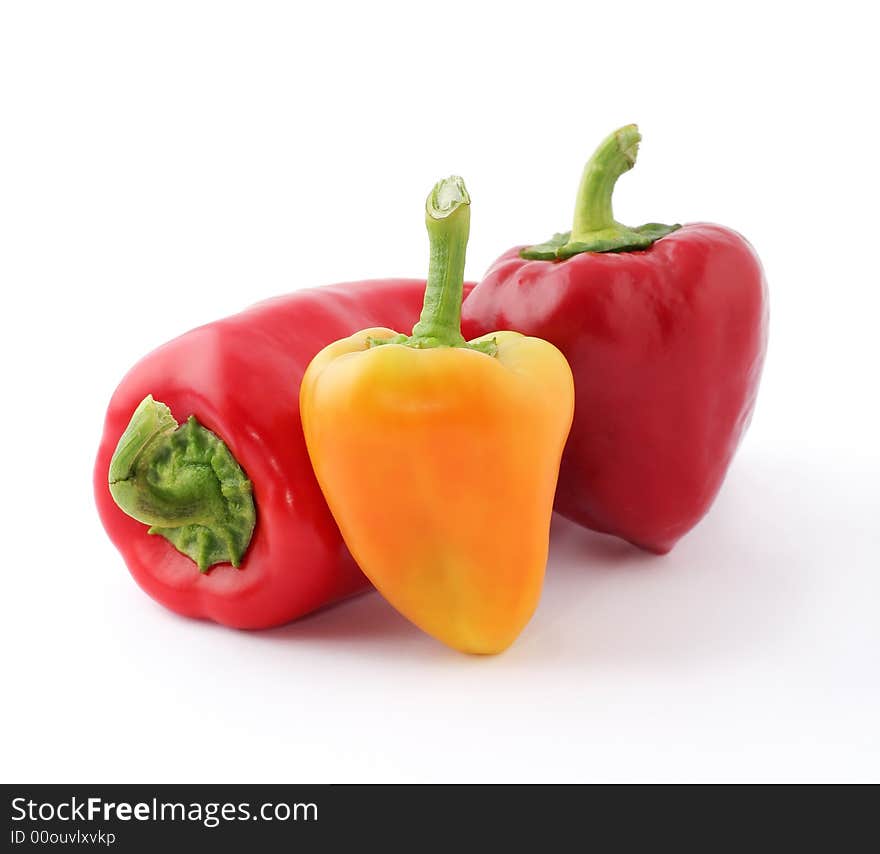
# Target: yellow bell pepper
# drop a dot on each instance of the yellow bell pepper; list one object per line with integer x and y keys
{"x": 439, "y": 457}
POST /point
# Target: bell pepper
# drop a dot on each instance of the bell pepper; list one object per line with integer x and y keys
{"x": 239, "y": 532}
{"x": 665, "y": 329}
{"x": 439, "y": 456}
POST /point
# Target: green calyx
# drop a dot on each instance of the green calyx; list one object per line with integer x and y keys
{"x": 594, "y": 228}
{"x": 448, "y": 219}
{"x": 185, "y": 484}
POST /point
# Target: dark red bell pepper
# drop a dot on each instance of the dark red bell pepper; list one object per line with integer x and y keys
{"x": 665, "y": 329}
{"x": 234, "y": 484}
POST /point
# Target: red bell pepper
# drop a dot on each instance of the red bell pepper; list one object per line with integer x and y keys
{"x": 665, "y": 329}
{"x": 240, "y": 459}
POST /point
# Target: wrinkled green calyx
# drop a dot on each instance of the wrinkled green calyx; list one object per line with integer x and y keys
{"x": 185, "y": 484}
{"x": 448, "y": 220}
{"x": 594, "y": 228}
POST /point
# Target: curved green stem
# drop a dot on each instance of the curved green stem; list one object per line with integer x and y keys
{"x": 616, "y": 155}
{"x": 594, "y": 228}
{"x": 185, "y": 484}
{"x": 448, "y": 220}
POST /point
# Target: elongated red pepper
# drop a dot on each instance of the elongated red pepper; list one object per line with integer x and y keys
{"x": 240, "y": 458}
{"x": 665, "y": 329}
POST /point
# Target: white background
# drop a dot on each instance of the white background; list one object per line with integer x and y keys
{"x": 164, "y": 164}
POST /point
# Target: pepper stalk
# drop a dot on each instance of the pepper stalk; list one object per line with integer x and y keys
{"x": 184, "y": 482}
{"x": 448, "y": 220}
{"x": 594, "y": 228}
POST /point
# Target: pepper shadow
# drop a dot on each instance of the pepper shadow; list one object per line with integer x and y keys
{"x": 365, "y": 622}
{"x": 733, "y": 585}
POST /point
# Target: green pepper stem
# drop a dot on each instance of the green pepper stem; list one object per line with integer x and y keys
{"x": 185, "y": 484}
{"x": 594, "y": 228}
{"x": 150, "y": 426}
{"x": 616, "y": 155}
{"x": 448, "y": 219}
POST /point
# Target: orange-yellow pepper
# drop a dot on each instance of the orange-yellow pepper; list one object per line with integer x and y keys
{"x": 439, "y": 457}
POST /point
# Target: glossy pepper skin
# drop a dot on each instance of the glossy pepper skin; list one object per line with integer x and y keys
{"x": 239, "y": 378}
{"x": 666, "y": 343}
{"x": 439, "y": 457}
